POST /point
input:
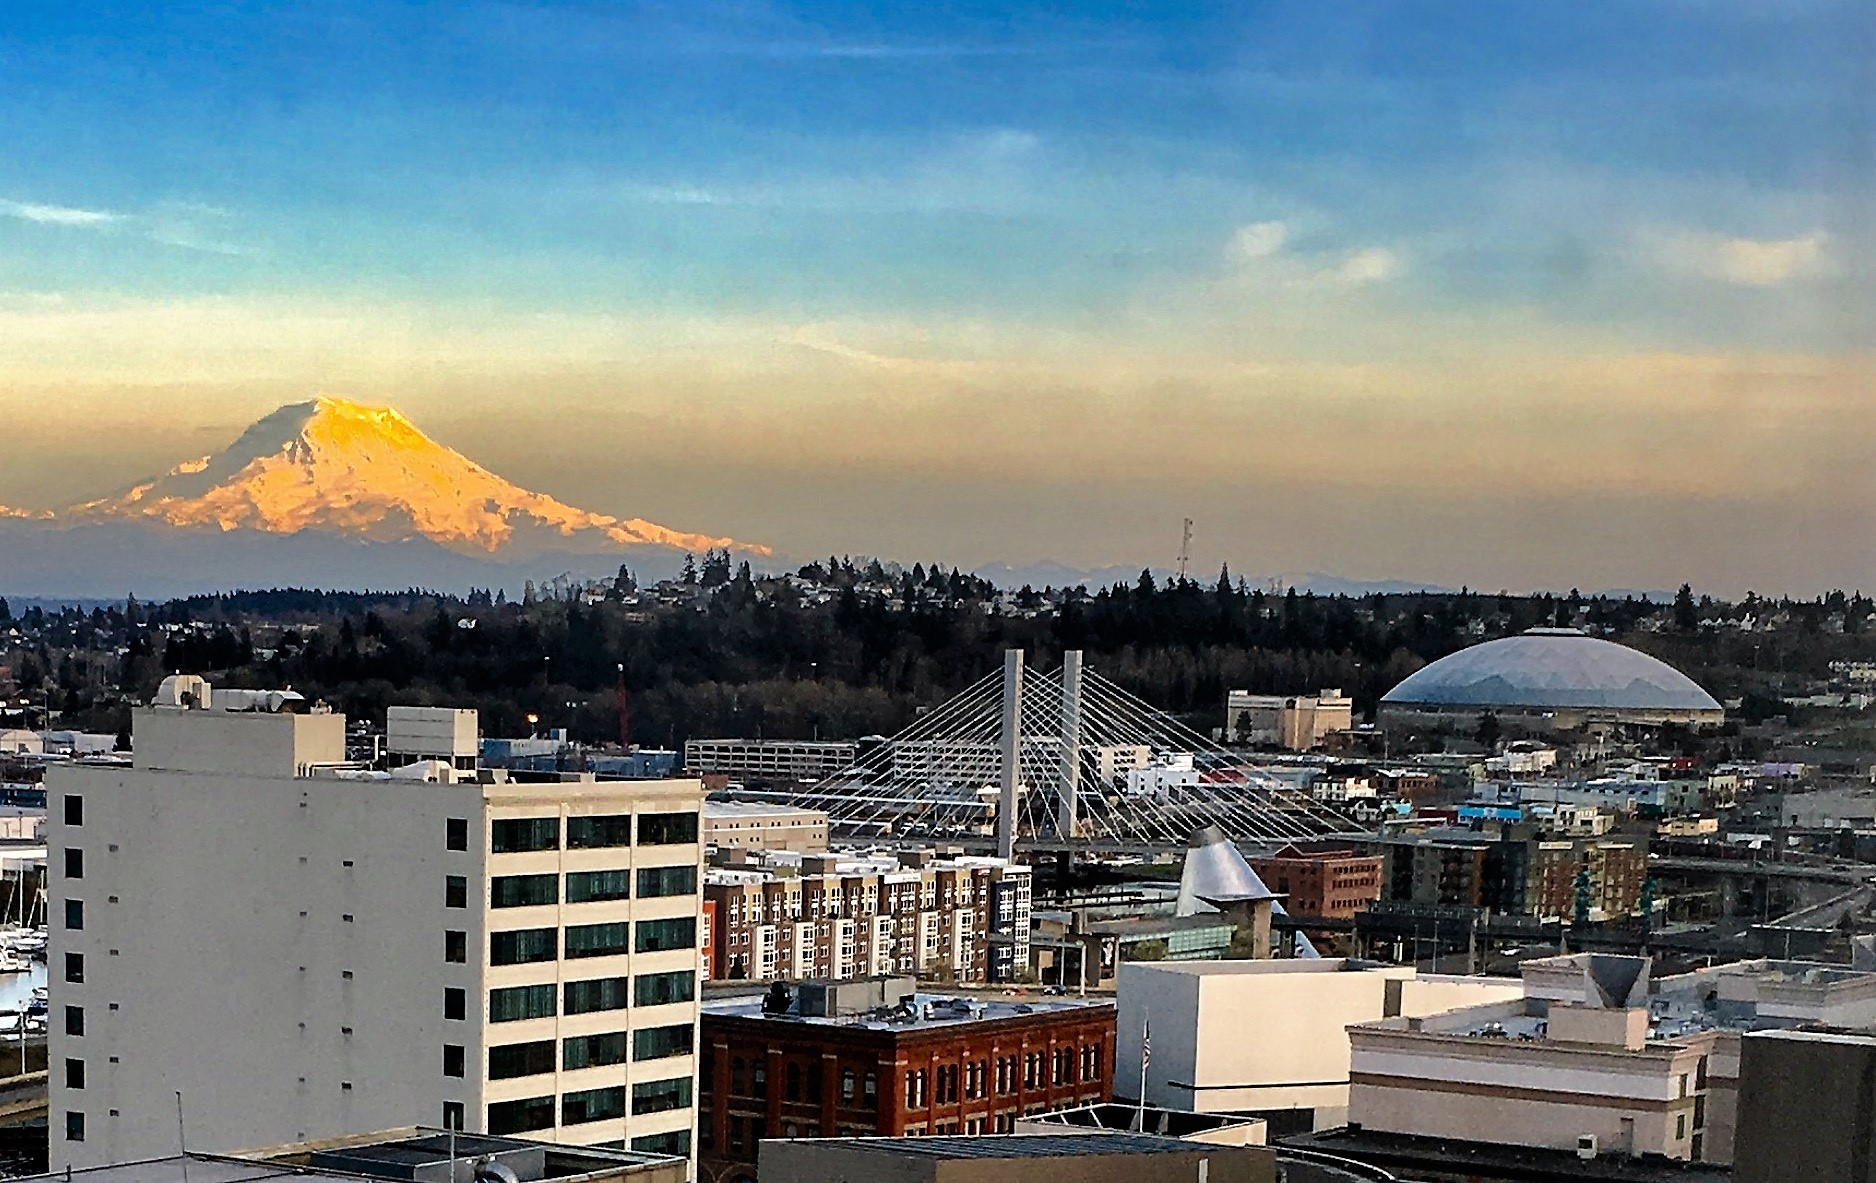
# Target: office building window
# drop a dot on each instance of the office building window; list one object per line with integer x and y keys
{"x": 666, "y": 829}
{"x": 452, "y": 1115}
{"x": 74, "y": 1127}
{"x": 75, "y": 915}
{"x": 456, "y": 947}
{"x": 523, "y": 891}
{"x": 74, "y": 1074}
{"x": 659, "y": 881}
{"x": 518, "y": 835}
{"x": 456, "y": 833}
{"x": 453, "y": 1060}
{"x": 75, "y": 967}
{"x": 521, "y": 1059}
{"x": 583, "y": 998}
{"x": 74, "y": 1020}
{"x": 679, "y": 985}
{"x": 660, "y": 1096}
{"x": 521, "y": 1117}
{"x": 592, "y": 1051}
{"x": 522, "y": 946}
{"x": 679, "y": 932}
{"x": 586, "y": 887}
{"x": 74, "y": 863}
{"x": 593, "y": 833}
{"x": 455, "y": 892}
{"x": 455, "y": 1003}
{"x": 596, "y": 940}
{"x": 676, "y": 1143}
{"x": 655, "y": 1043}
{"x": 513, "y": 1003}
{"x": 592, "y": 1105}
{"x": 74, "y": 810}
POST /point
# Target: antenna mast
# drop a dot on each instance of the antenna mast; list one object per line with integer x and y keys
{"x": 1185, "y": 549}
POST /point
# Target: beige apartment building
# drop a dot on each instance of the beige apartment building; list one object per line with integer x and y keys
{"x": 305, "y": 948}
{"x": 837, "y": 916}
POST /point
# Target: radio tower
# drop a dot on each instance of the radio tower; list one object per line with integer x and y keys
{"x": 1185, "y": 550}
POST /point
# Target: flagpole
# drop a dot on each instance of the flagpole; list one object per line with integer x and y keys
{"x": 1146, "y": 1055}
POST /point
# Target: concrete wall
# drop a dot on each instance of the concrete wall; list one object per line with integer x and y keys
{"x": 1807, "y": 1109}
{"x": 272, "y": 948}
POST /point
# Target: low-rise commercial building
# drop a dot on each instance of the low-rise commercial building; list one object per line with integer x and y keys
{"x": 857, "y": 1058}
{"x": 756, "y": 826}
{"x": 1331, "y": 884}
{"x": 781, "y": 914}
{"x": 769, "y": 760}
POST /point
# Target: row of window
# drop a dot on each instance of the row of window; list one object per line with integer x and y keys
{"x": 525, "y": 834}
{"x": 585, "y": 887}
{"x": 524, "y": 946}
{"x": 516, "y": 1060}
{"x": 584, "y": 1106}
{"x": 515, "y": 1003}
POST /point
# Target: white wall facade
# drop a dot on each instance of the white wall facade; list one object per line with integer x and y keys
{"x": 1259, "y": 1036}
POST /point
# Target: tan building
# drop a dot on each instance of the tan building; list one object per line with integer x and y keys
{"x": 1616, "y": 869}
{"x": 755, "y": 826}
{"x": 836, "y": 916}
{"x": 1296, "y": 722}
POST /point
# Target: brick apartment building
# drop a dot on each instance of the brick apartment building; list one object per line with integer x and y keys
{"x": 1327, "y": 884}
{"x": 1616, "y": 870}
{"x": 782, "y": 914}
{"x": 857, "y": 1058}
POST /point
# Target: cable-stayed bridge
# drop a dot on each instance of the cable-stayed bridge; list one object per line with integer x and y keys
{"x": 1064, "y": 760}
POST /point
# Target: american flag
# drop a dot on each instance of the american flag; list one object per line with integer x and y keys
{"x": 1146, "y": 1044}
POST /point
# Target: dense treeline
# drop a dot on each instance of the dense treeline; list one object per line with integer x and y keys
{"x": 845, "y": 648}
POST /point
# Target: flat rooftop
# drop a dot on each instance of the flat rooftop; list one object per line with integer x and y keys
{"x": 400, "y": 1154}
{"x": 1409, "y": 1155}
{"x": 1011, "y": 1146}
{"x": 932, "y": 1011}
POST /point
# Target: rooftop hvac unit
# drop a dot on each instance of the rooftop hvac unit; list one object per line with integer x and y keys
{"x": 1586, "y": 1146}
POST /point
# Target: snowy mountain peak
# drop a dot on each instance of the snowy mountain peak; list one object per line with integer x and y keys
{"x": 333, "y": 465}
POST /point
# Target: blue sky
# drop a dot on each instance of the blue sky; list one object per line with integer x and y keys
{"x": 1465, "y": 230}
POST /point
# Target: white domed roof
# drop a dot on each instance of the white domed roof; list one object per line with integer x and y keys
{"x": 1552, "y": 667}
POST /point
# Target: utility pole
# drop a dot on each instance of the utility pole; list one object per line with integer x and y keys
{"x": 1185, "y": 549}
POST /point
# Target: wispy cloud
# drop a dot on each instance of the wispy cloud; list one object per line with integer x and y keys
{"x": 1258, "y": 240}
{"x": 1752, "y": 262}
{"x": 1373, "y": 264}
{"x": 57, "y": 215}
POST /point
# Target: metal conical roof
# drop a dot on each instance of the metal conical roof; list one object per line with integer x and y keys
{"x": 1216, "y": 874}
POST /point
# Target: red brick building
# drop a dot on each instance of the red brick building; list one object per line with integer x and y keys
{"x": 1324, "y": 884}
{"x": 706, "y": 939}
{"x": 866, "y": 1057}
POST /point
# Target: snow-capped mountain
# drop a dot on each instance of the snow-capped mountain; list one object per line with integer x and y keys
{"x": 330, "y": 493}
{"x": 336, "y": 466}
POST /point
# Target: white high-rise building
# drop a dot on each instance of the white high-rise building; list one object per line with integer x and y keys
{"x": 304, "y": 949}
